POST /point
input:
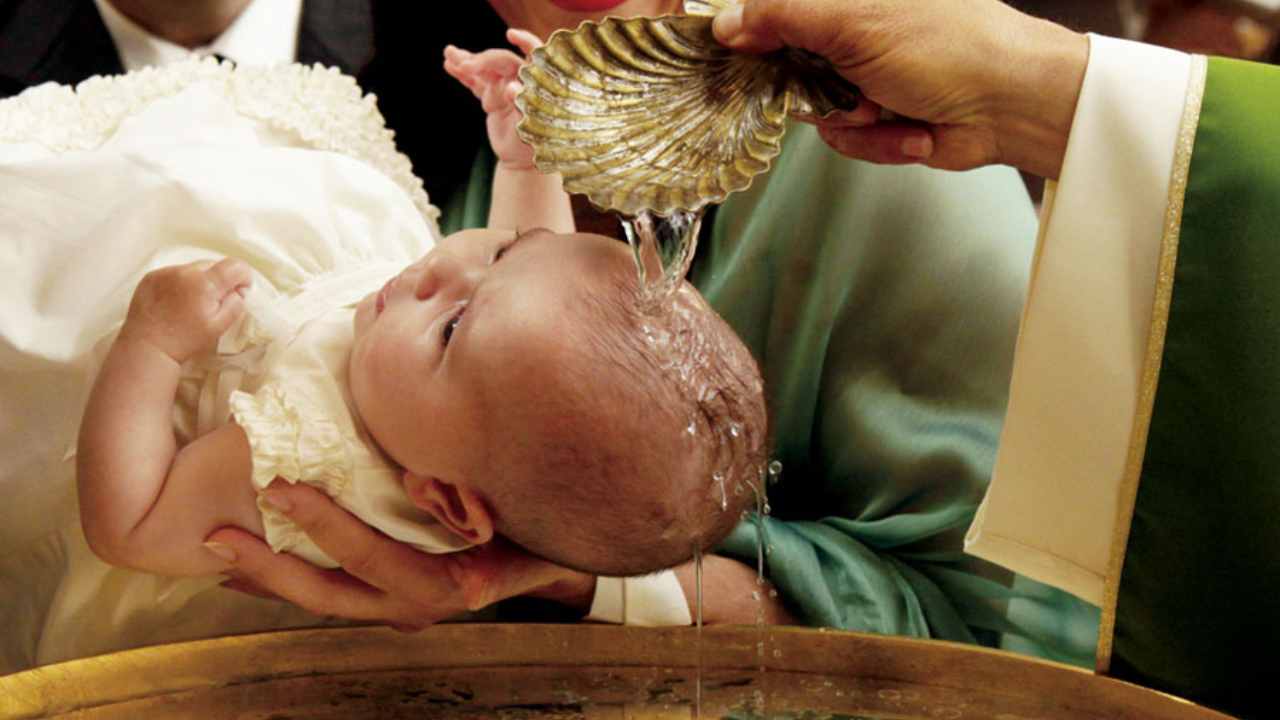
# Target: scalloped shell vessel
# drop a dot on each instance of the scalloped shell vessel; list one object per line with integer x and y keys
{"x": 653, "y": 114}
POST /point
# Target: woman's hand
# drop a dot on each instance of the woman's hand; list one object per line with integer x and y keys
{"x": 732, "y": 594}
{"x": 384, "y": 580}
{"x": 974, "y": 81}
{"x": 493, "y": 77}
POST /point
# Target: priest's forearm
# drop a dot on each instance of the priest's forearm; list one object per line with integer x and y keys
{"x": 1035, "y": 109}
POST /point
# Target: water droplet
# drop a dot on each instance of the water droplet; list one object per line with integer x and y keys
{"x": 773, "y": 593}
{"x": 692, "y": 429}
{"x": 768, "y": 508}
{"x": 775, "y": 468}
{"x": 735, "y": 429}
{"x": 755, "y": 596}
{"x": 759, "y": 580}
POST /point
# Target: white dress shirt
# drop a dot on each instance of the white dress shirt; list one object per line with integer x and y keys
{"x": 265, "y": 33}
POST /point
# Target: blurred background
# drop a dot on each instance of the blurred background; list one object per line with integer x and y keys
{"x": 1247, "y": 29}
{"x": 1233, "y": 28}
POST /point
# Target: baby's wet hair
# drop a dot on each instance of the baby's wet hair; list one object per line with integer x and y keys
{"x": 619, "y": 476}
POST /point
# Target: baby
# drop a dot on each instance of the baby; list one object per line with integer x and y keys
{"x": 506, "y": 383}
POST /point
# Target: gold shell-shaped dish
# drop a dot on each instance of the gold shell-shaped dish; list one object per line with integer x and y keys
{"x": 654, "y": 114}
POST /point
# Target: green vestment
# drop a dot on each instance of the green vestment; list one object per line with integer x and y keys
{"x": 882, "y": 304}
{"x": 1198, "y": 611}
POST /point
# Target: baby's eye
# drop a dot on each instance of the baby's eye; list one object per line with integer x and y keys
{"x": 449, "y": 327}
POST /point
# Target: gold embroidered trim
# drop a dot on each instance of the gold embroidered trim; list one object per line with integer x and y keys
{"x": 1155, "y": 353}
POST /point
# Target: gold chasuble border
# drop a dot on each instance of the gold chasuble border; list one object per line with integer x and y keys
{"x": 1155, "y": 352}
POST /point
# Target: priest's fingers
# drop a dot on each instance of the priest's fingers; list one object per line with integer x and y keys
{"x": 886, "y": 143}
{"x": 867, "y": 113}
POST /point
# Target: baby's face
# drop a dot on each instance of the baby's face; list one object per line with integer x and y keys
{"x": 463, "y": 335}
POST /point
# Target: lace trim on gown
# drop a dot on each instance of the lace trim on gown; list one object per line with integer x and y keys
{"x": 283, "y": 445}
{"x": 323, "y": 107}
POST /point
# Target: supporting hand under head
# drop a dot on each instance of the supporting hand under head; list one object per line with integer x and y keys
{"x": 384, "y": 580}
{"x": 971, "y": 82}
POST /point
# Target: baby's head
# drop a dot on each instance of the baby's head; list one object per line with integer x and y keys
{"x": 525, "y": 393}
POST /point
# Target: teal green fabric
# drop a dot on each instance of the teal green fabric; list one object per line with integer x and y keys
{"x": 468, "y": 206}
{"x": 882, "y": 304}
{"x": 1199, "y": 603}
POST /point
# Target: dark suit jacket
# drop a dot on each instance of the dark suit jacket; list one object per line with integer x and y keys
{"x": 394, "y": 49}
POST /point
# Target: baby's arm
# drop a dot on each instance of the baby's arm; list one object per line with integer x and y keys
{"x": 144, "y": 503}
{"x": 522, "y": 197}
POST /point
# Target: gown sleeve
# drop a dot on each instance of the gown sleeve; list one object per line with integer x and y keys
{"x": 293, "y": 440}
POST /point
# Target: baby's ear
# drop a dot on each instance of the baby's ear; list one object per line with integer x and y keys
{"x": 456, "y": 506}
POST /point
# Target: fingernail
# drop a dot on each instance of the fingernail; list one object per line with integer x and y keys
{"x": 224, "y": 552}
{"x": 919, "y": 147}
{"x": 278, "y": 501}
{"x": 728, "y": 23}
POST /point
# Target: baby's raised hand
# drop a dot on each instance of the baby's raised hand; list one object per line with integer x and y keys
{"x": 183, "y": 310}
{"x": 493, "y": 77}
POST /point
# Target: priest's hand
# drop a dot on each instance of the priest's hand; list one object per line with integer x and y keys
{"x": 382, "y": 580}
{"x": 969, "y": 82}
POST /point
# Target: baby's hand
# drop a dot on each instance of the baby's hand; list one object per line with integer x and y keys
{"x": 493, "y": 76}
{"x": 183, "y": 310}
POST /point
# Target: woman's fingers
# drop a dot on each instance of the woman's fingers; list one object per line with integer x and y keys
{"x": 322, "y": 592}
{"x": 249, "y": 588}
{"x": 381, "y": 579}
{"x": 499, "y": 570}
{"x": 362, "y": 551}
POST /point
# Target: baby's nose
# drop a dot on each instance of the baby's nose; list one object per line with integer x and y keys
{"x": 445, "y": 273}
